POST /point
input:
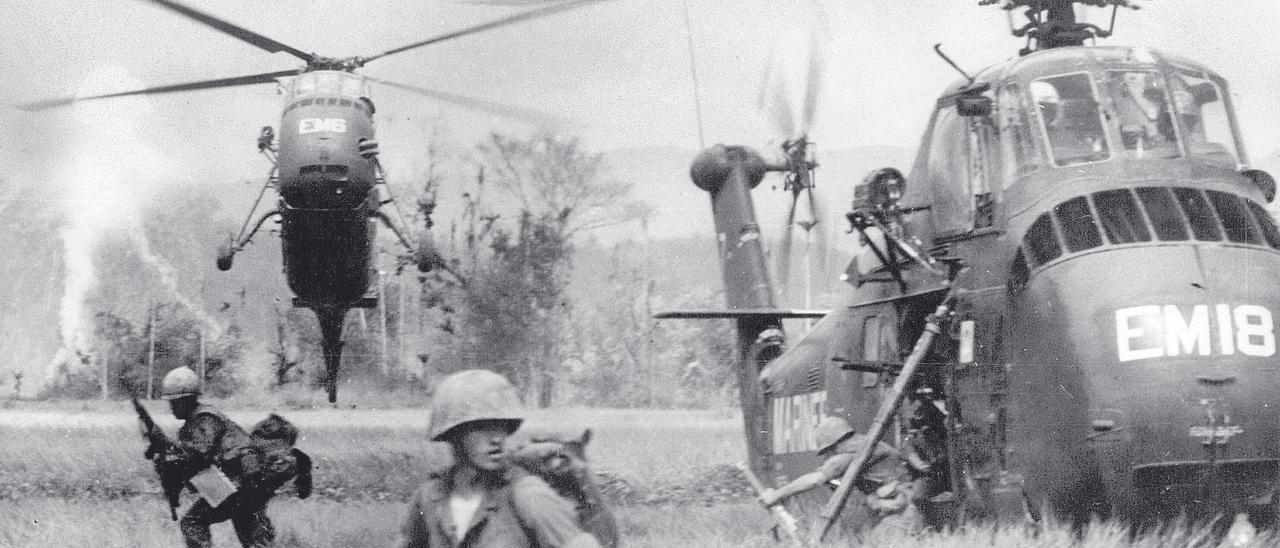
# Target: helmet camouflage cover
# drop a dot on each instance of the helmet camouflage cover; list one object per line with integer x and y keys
{"x": 180, "y": 382}
{"x": 470, "y": 396}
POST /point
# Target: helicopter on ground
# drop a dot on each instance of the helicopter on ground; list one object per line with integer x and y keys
{"x": 1084, "y": 272}
{"x": 325, "y": 169}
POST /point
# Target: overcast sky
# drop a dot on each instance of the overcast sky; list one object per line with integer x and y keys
{"x": 620, "y": 69}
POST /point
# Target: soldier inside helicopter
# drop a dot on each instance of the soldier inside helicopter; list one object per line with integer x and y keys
{"x": 1072, "y": 120}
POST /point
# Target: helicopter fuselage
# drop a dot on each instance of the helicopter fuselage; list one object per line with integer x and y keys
{"x": 326, "y": 187}
{"x": 1112, "y": 349}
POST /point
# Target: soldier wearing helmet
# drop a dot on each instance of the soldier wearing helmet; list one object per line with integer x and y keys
{"x": 885, "y": 482}
{"x": 208, "y": 438}
{"x": 480, "y": 500}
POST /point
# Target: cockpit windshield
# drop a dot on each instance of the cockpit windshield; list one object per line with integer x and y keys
{"x": 1149, "y": 114}
{"x": 1143, "y": 108}
{"x": 1069, "y": 111}
{"x": 326, "y": 82}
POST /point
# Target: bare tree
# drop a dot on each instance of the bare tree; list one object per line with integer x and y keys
{"x": 513, "y": 309}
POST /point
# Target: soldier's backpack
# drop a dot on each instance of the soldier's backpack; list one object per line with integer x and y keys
{"x": 559, "y": 458}
{"x": 270, "y": 459}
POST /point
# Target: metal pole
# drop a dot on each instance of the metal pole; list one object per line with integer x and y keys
{"x": 888, "y": 407}
{"x": 151, "y": 349}
{"x": 382, "y": 313}
{"x": 400, "y": 322}
{"x": 105, "y": 364}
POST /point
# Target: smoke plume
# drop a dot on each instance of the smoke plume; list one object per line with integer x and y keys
{"x": 111, "y": 172}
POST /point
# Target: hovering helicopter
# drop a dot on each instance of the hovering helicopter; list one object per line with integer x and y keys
{"x": 325, "y": 168}
{"x": 1082, "y": 269}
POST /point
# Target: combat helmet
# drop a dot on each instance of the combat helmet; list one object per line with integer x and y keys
{"x": 831, "y": 431}
{"x": 473, "y": 395}
{"x": 180, "y": 382}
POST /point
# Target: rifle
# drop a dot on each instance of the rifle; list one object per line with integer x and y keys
{"x": 784, "y": 520}
{"x": 158, "y": 445}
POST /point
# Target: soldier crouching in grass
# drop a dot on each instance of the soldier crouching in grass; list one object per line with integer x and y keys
{"x": 482, "y": 500}
{"x": 886, "y": 483}
{"x": 207, "y": 439}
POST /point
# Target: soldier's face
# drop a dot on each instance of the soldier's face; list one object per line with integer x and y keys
{"x": 183, "y": 407}
{"x": 481, "y": 446}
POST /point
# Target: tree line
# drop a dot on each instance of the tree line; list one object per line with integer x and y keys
{"x": 523, "y": 288}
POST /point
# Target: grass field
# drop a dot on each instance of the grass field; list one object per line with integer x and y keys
{"x": 72, "y": 474}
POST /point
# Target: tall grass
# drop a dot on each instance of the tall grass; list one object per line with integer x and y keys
{"x": 73, "y": 475}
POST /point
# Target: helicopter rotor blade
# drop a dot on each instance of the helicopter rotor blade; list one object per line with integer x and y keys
{"x": 532, "y": 116}
{"x": 792, "y": 81}
{"x": 241, "y": 33}
{"x": 190, "y": 86}
{"x": 510, "y": 20}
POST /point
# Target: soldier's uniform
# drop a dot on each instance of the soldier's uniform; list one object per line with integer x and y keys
{"x": 209, "y": 438}
{"x": 885, "y": 483}
{"x": 498, "y": 505}
{"x": 519, "y": 511}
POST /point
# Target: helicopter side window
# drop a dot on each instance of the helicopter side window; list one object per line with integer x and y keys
{"x": 1142, "y": 107}
{"x": 1202, "y": 114}
{"x": 1068, "y": 111}
{"x": 1017, "y": 141}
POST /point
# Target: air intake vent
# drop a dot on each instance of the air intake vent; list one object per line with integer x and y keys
{"x": 1124, "y": 216}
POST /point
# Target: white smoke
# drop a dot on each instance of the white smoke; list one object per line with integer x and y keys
{"x": 110, "y": 173}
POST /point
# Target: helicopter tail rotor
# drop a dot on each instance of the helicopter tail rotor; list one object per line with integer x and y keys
{"x": 789, "y": 96}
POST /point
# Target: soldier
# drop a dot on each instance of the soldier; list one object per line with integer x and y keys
{"x": 208, "y": 438}
{"x": 886, "y": 482}
{"x": 482, "y": 501}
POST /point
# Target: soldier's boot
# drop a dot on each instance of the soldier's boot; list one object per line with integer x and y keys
{"x": 195, "y": 525}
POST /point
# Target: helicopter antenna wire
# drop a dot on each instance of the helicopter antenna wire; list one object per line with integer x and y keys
{"x": 693, "y": 70}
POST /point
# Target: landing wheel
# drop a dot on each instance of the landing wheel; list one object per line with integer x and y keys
{"x": 226, "y": 255}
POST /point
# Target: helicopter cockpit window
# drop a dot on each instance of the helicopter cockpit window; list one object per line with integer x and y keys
{"x": 1202, "y": 115}
{"x": 1068, "y": 111}
{"x": 1143, "y": 108}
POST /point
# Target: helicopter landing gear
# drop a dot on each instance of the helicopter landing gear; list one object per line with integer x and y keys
{"x": 227, "y": 251}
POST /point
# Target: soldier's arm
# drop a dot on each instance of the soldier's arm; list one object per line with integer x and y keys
{"x": 831, "y": 469}
{"x": 551, "y": 518}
